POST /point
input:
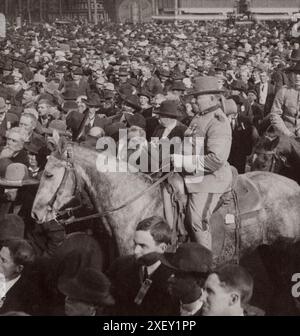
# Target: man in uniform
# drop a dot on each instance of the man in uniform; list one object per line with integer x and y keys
{"x": 207, "y": 174}
{"x": 285, "y": 112}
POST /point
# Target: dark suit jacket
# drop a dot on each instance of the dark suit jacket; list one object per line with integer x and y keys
{"x": 126, "y": 282}
{"x": 13, "y": 120}
{"x": 152, "y": 85}
{"x": 177, "y": 131}
{"x": 270, "y": 96}
{"x": 21, "y": 157}
{"x": 25, "y": 295}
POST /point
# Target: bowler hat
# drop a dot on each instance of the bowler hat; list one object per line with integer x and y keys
{"x": 90, "y": 286}
{"x": 206, "y": 85}
{"x": 169, "y": 109}
{"x": 189, "y": 258}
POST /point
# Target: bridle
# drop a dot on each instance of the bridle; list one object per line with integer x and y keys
{"x": 275, "y": 157}
{"x": 67, "y": 209}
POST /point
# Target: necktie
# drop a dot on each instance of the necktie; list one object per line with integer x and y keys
{"x": 145, "y": 275}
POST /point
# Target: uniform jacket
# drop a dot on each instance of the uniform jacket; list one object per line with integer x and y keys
{"x": 126, "y": 281}
{"x": 214, "y": 173}
{"x": 287, "y": 105}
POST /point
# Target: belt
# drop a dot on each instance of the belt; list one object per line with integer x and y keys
{"x": 293, "y": 120}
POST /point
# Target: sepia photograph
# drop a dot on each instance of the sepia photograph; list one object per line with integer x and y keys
{"x": 149, "y": 160}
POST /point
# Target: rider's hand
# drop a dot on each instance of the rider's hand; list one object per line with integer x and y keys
{"x": 279, "y": 125}
{"x": 186, "y": 162}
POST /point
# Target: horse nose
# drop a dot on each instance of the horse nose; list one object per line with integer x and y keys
{"x": 34, "y": 216}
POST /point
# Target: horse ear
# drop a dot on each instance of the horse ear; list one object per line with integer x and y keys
{"x": 274, "y": 143}
{"x": 56, "y": 137}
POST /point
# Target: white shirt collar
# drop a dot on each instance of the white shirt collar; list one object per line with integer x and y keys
{"x": 151, "y": 269}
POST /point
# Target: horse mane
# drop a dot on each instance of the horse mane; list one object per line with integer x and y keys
{"x": 89, "y": 155}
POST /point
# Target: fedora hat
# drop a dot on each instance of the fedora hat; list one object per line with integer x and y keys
{"x": 93, "y": 100}
{"x": 206, "y": 85}
{"x": 295, "y": 55}
{"x": 178, "y": 85}
{"x": 135, "y": 120}
{"x": 189, "y": 258}
{"x": 130, "y": 100}
{"x": 90, "y": 286}
{"x": 145, "y": 93}
{"x": 169, "y": 109}
{"x": 16, "y": 175}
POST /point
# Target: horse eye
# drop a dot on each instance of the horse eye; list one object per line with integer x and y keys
{"x": 48, "y": 174}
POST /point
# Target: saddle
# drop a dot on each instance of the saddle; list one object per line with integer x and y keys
{"x": 241, "y": 202}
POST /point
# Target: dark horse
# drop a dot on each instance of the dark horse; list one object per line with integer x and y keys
{"x": 277, "y": 154}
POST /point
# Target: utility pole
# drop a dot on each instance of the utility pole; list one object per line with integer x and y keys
{"x": 29, "y": 11}
{"x": 95, "y": 12}
{"x": 6, "y": 7}
{"x": 41, "y": 10}
{"x": 60, "y": 8}
{"x": 89, "y": 10}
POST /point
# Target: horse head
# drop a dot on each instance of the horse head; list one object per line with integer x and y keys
{"x": 267, "y": 156}
{"x": 58, "y": 185}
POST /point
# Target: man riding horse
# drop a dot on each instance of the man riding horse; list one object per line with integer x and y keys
{"x": 285, "y": 113}
{"x": 212, "y": 175}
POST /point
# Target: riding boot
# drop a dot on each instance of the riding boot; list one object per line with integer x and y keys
{"x": 203, "y": 238}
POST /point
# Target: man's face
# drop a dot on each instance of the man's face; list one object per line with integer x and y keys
{"x": 134, "y": 65}
{"x": 77, "y": 77}
{"x": 26, "y": 123}
{"x": 144, "y": 244}
{"x": 296, "y": 80}
{"x": 216, "y": 298}
{"x": 7, "y": 265}
{"x": 144, "y": 100}
{"x": 43, "y": 109}
{"x": 146, "y": 72}
{"x": 78, "y": 308}
{"x": 251, "y": 97}
{"x": 263, "y": 77}
{"x": 14, "y": 141}
{"x": 203, "y": 102}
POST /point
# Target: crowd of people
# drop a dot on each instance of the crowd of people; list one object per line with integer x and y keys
{"x": 227, "y": 83}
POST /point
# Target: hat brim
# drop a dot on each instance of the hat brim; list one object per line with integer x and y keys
{"x": 89, "y": 104}
{"x": 73, "y": 289}
{"x": 18, "y": 184}
{"x": 293, "y": 69}
{"x": 171, "y": 116}
{"x": 201, "y": 93}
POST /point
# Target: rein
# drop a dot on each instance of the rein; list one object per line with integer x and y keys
{"x": 274, "y": 158}
{"x": 69, "y": 211}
